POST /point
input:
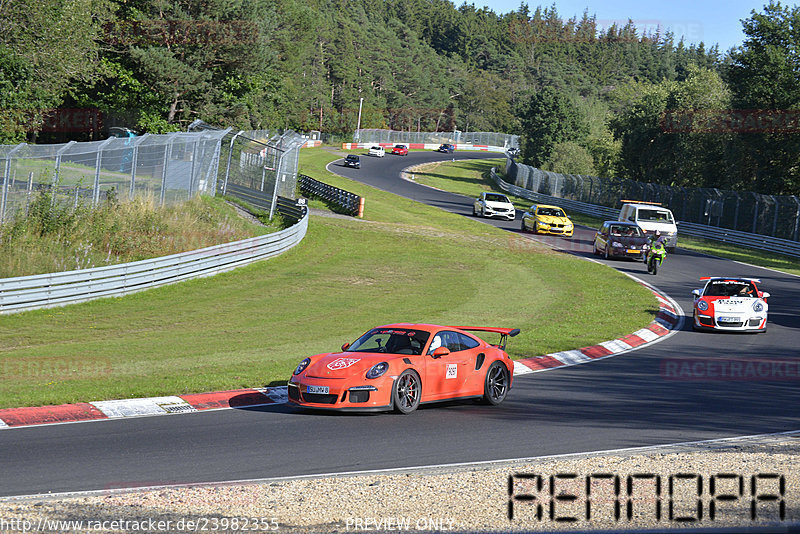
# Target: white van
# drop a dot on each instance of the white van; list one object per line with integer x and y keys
{"x": 650, "y": 216}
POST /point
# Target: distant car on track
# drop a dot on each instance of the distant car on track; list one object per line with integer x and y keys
{"x": 400, "y": 150}
{"x": 543, "y": 219}
{"x": 731, "y": 305}
{"x": 400, "y": 366}
{"x": 493, "y": 205}
{"x": 377, "y": 151}
{"x": 446, "y": 148}
{"x": 620, "y": 239}
{"x": 352, "y": 161}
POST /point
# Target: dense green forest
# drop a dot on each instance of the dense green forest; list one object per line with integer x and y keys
{"x": 610, "y": 102}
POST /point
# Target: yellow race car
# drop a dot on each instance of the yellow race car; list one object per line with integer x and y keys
{"x": 542, "y": 219}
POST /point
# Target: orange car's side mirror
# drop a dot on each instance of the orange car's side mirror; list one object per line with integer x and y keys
{"x": 345, "y": 347}
{"x": 441, "y": 351}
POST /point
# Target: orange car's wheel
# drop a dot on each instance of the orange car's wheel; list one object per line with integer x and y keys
{"x": 496, "y": 384}
{"x": 407, "y": 391}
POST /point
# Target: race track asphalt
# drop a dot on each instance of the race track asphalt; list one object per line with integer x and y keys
{"x": 626, "y": 401}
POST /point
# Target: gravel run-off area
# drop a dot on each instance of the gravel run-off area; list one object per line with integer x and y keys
{"x": 750, "y": 484}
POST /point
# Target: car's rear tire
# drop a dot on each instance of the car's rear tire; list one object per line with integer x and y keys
{"x": 522, "y": 226}
{"x": 496, "y": 384}
{"x": 407, "y": 392}
{"x": 606, "y": 255}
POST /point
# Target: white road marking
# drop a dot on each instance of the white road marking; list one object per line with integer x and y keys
{"x": 571, "y": 357}
{"x": 138, "y": 407}
{"x": 616, "y": 345}
{"x": 646, "y": 334}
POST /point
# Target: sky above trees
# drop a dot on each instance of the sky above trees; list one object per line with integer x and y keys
{"x": 709, "y": 21}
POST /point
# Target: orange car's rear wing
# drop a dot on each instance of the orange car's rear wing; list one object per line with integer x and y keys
{"x": 505, "y": 333}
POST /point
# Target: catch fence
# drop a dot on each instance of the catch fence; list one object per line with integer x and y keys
{"x": 167, "y": 168}
{"x": 753, "y": 213}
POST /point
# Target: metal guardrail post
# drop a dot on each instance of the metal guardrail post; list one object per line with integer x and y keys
{"x": 4, "y": 192}
{"x": 755, "y": 211}
{"x": 57, "y": 170}
{"x": 192, "y": 171}
{"x": 6, "y": 177}
{"x": 775, "y": 218}
{"x": 796, "y": 218}
{"x": 215, "y": 162}
{"x": 228, "y": 165}
{"x": 97, "y": 163}
{"x": 134, "y": 162}
{"x": 167, "y": 157}
{"x": 278, "y": 168}
{"x": 28, "y": 193}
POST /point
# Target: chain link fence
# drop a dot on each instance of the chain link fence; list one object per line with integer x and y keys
{"x": 476, "y": 138}
{"x": 771, "y": 215}
{"x": 263, "y": 161}
{"x": 168, "y": 168}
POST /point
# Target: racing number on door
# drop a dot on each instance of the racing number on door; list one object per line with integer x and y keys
{"x": 452, "y": 371}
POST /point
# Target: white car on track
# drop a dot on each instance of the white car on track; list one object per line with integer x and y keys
{"x": 494, "y": 205}
{"x": 378, "y": 151}
{"x": 730, "y": 304}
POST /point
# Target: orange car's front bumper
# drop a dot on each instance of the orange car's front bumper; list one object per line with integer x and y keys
{"x": 342, "y": 394}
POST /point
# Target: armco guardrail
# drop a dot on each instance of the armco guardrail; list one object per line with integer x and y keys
{"x": 350, "y": 203}
{"x": 734, "y": 237}
{"x": 262, "y": 201}
{"x": 58, "y": 289}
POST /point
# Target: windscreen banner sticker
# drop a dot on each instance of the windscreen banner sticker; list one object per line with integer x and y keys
{"x": 452, "y": 370}
{"x": 342, "y": 363}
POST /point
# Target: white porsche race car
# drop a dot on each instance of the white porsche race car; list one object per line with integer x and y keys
{"x": 730, "y": 304}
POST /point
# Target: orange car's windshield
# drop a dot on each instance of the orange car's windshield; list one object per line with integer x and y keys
{"x": 391, "y": 340}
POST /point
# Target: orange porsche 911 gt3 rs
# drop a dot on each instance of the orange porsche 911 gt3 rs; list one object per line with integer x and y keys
{"x": 401, "y": 366}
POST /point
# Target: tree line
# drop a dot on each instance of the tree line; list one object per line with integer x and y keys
{"x": 610, "y": 101}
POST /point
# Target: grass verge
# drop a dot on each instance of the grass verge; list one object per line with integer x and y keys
{"x": 471, "y": 177}
{"x": 58, "y": 238}
{"x": 249, "y": 327}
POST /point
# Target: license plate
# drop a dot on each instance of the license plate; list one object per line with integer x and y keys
{"x": 633, "y": 251}
{"x": 318, "y": 389}
{"x": 728, "y": 320}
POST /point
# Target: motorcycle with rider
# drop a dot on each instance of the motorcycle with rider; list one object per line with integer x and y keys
{"x": 656, "y": 252}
